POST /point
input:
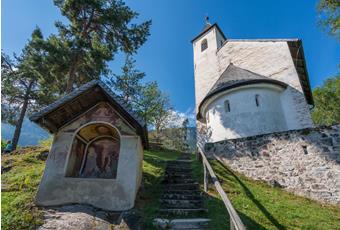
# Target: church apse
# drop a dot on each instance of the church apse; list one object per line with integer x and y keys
{"x": 94, "y": 152}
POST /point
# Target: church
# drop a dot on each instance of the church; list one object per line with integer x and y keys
{"x": 248, "y": 87}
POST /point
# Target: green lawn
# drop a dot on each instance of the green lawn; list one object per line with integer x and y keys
{"x": 19, "y": 185}
{"x": 259, "y": 205}
{"x": 263, "y": 207}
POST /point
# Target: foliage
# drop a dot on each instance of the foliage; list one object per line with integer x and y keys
{"x": 327, "y": 101}
{"x": 128, "y": 85}
{"x": 174, "y": 132}
{"x": 3, "y": 144}
{"x": 46, "y": 143}
{"x": 95, "y": 31}
{"x": 26, "y": 83}
{"x": 146, "y": 99}
{"x": 263, "y": 207}
{"x": 329, "y": 16}
{"x": 150, "y": 102}
{"x": 19, "y": 186}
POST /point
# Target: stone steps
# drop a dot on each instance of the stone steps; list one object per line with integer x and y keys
{"x": 178, "y": 169}
{"x": 181, "y": 198}
{"x": 178, "y": 174}
{"x": 177, "y": 224}
{"x": 182, "y": 211}
{"x": 174, "y": 201}
{"x": 188, "y": 186}
{"x": 182, "y": 180}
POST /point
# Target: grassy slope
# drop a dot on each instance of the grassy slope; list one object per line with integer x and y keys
{"x": 22, "y": 180}
{"x": 263, "y": 207}
{"x": 20, "y": 184}
{"x": 260, "y": 206}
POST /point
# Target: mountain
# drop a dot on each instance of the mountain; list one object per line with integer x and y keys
{"x": 31, "y": 133}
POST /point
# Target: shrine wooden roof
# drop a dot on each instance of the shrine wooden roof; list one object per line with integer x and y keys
{"x": 72, "y": 105}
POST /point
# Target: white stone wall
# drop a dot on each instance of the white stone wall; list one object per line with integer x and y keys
{"x": 245, "y": 117}
{"x": 268, "y": 58}
{"x": 305, "y": 162}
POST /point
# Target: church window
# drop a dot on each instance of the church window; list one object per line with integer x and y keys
{"x": 257, "y": 100}
{"x": 204, "y": 45}
{"x": 227, "y": 106}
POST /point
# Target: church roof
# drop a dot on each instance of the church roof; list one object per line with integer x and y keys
{"x": 81, "y": 100}
{"x": 206, "y": 28}
{"x": 234, "y": 77}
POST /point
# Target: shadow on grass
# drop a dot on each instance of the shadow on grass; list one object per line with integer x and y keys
{"x": 251, "y": 196}
{"x": 219, "y": 216}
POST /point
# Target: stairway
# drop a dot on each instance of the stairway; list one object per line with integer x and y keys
{"x": 181, "y": 201}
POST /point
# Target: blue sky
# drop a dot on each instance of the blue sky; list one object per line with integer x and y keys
{"x": 167, "y": 55}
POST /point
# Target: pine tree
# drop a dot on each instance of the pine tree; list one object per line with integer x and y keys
{"x": 96, "y": 30}
{"x": 329, "y": 16}
{"x": 128, "y": 85}
{"x": 25, "y": 83}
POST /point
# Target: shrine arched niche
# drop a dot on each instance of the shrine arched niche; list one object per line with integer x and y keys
{"x": 94, "y": 152}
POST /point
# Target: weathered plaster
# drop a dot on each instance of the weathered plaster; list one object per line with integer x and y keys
{"x": 110, "y": 194}
{"x": 245, "y": 117}
{"x": 268, "y": 58}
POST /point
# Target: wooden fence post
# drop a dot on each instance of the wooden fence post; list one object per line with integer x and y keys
{"x": 206, "y": 178}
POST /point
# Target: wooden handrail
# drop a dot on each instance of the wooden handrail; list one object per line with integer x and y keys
{"x": 235, "y": 220}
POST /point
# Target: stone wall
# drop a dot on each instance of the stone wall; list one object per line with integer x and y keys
{"x": 305, "y": 162}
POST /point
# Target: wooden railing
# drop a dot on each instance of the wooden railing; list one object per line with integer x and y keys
{"x": 235, "y": 220}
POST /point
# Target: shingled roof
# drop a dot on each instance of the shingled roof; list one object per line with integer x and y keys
{"x": 79, "y": 101}
{"x": 233, "y": 77}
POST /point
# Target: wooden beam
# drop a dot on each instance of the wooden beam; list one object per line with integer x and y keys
{"x": 235, "y": 220}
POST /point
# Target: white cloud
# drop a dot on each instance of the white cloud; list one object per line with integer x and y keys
{"x": 176, "y": 118}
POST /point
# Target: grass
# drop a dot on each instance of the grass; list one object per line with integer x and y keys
{"x": 19, "y": 185}
{"x": 153, "y": 171}
{"x": 259, "y": 205}
{"x": 263, "y": 207}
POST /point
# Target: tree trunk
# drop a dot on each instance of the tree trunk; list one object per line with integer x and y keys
{"x": 18, "y": 126}
{"x": 70, "y": 80}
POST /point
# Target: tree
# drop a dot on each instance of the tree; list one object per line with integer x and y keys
{"x": 329, "y": 16}
{"x": 327, "y": 101}
{"x": 26, "y": 83}
{"x": 96, "y": 30}
{"x": 128, "y": 85}
{"x": 150, "y": 102}
{"x": 161, "y": 118}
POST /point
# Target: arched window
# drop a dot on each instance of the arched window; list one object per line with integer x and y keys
{"x": 94, "y": 152}
{"x": 208, "y": 118}
{"x": 257, "y": 100}
{"x": 204, "y": 45}
{"x": 227, "y": 106}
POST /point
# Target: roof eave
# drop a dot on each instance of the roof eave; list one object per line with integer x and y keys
{"x": 206, "y": 30}
{"x": 239, "y": 84}
{"x": 299, "y": 61}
